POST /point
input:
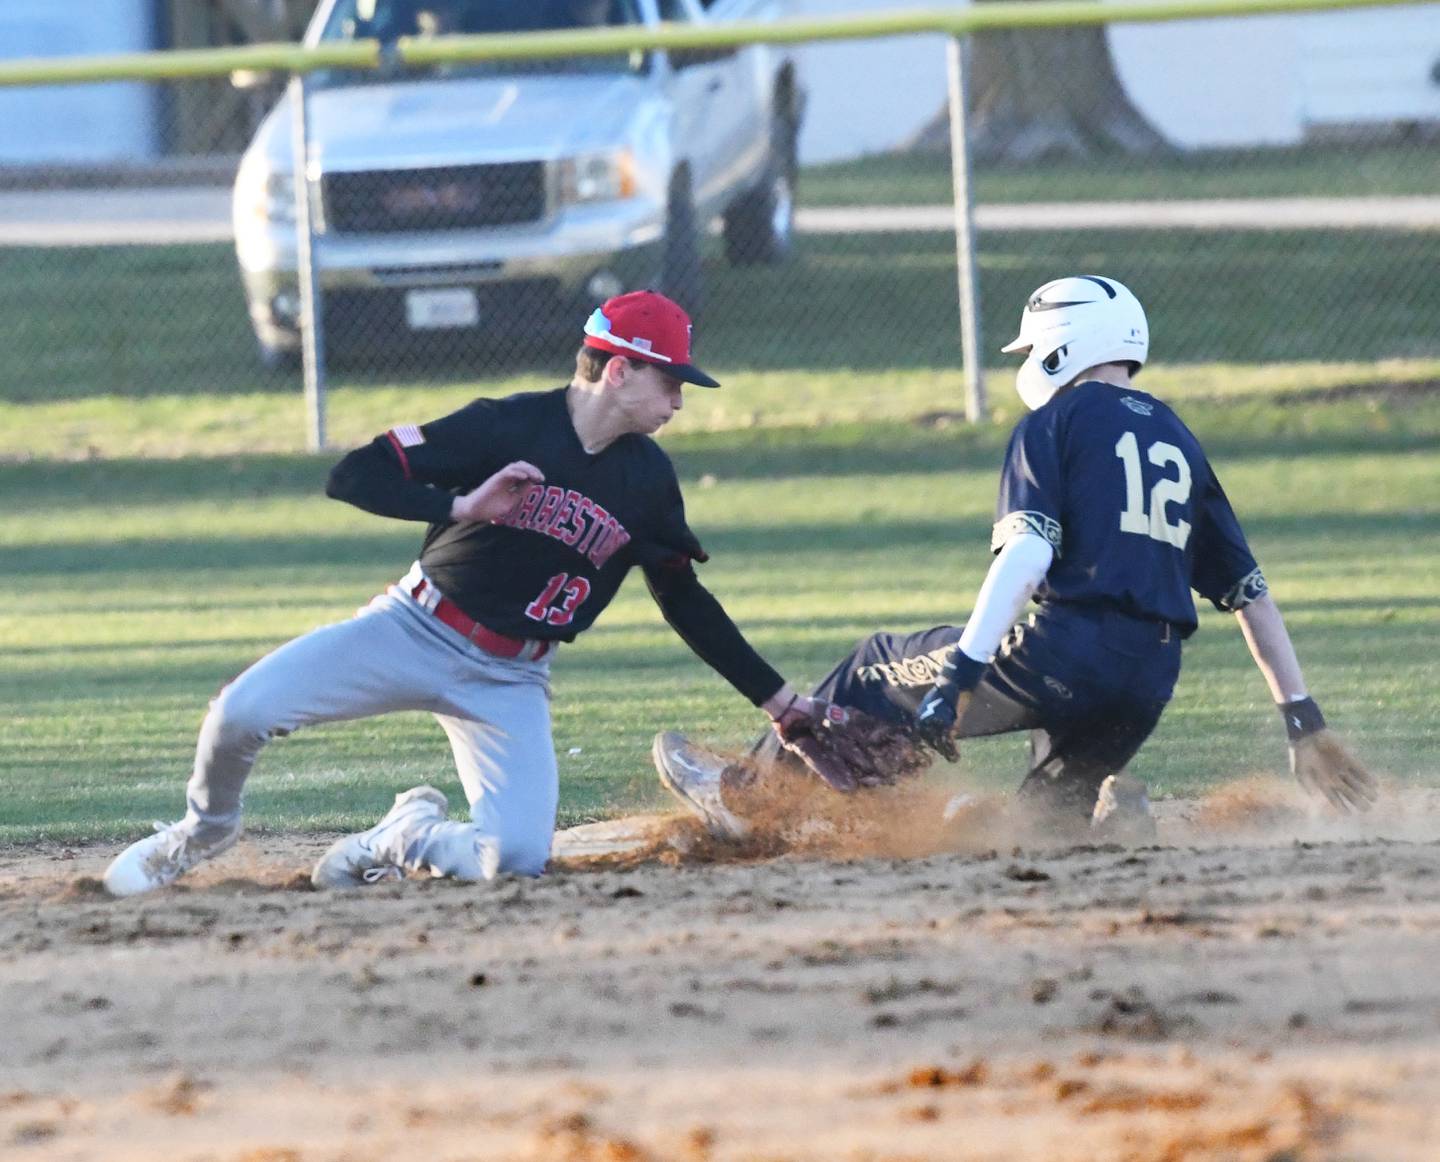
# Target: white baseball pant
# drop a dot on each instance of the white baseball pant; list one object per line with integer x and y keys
{"x": 393, "y": 655}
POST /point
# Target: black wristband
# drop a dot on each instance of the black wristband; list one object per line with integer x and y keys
{"x": 1302, "y": 718}
{"x": 960, "y": 673}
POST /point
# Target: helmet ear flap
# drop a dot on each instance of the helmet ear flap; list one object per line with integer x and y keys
{"x": 1052, "y": 362}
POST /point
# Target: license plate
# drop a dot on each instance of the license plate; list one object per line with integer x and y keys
{"x": 451, "y": 306}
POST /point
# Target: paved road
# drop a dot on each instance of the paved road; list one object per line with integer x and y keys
{"x": 114, "y": 217}
{"x": 1210, "y": 214}
{"x": 202, "y": 214}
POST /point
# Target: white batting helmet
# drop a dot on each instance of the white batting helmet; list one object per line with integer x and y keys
{"x": 1071, "y": 325}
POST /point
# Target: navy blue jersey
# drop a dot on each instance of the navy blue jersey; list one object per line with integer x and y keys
{"x": 1121, "y": 489}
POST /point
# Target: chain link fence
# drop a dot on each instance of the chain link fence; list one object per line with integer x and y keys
{"x": 469, "y": 216}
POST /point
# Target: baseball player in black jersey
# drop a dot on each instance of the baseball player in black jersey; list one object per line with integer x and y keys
{"x": 538, "y": 505}
{"x": 1109, "y": 515}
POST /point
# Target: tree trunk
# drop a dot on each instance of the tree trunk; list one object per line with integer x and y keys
{"x": 1045, "y": 94}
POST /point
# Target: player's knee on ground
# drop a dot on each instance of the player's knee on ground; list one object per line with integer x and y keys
{"x": 519, "y": 855}
{"x": 512, "y": 843}
{"x": 487, "y": 854}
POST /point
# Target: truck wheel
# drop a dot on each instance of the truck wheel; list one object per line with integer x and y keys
{"x": 681, "y": 275}
{"x": 760, "y": 225}
{"x": 278, "y": 361}
{"x": 277, "y": 355}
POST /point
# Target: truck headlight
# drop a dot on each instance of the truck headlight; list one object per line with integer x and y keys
{"x": 597, "y": 177}
{"x": 261, "y": 195}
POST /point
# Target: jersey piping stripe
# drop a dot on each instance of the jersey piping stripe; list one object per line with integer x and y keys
{"x": 400, "y": 454}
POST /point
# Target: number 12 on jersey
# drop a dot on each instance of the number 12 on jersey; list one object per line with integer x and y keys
{"x": 1168, "y": 490}
{"x": 559, "y": 599}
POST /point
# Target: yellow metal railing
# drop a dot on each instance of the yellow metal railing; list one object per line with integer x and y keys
{"x": 361, "y": 54}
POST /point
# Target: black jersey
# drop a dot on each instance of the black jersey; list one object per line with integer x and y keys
{"x": 1120, "y": 487}
{"x": 558, "y": 558}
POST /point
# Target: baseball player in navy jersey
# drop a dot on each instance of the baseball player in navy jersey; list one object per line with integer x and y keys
{"x": 1109, "y": 514}
{"x": 538, "y": 505}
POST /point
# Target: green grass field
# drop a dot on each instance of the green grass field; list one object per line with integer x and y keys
{"x": 137, "y": 586}
{"x": 881, "y": 307}
{"x": 161, "y": 528}
{"x": 1356, "y": 170}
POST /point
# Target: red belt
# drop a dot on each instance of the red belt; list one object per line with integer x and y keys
{"x": 487, "y": 639}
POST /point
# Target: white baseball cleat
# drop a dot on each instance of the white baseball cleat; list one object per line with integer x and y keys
{"x": 162, "y": 858}
{"x": 694, "y": 776}
{"x": 378, "y": 855}
{"x": 1122, "y": 811}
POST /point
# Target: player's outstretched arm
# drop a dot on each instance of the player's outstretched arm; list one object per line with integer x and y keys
{"x": 693, "y": 612}
{"x": 1318, "y": 760}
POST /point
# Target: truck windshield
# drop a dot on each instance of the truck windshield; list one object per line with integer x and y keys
{"x": 388, "y": 20}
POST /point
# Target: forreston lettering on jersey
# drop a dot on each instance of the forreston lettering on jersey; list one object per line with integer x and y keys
{"x": 570, "y": 518}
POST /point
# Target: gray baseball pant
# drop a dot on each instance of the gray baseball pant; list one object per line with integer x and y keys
{"x": 393, "y": 655}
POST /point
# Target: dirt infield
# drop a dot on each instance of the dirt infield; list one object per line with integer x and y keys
{"x": 1259, "y": 985}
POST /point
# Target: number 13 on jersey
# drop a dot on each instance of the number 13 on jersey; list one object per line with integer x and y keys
{"x": 559, "y": 599}
{"x": 1175, "y": 489}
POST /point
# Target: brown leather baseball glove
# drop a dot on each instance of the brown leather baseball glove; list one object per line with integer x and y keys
{"x": 850, "y": 749}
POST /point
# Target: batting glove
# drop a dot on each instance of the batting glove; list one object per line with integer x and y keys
{"x": 936, "y": 717}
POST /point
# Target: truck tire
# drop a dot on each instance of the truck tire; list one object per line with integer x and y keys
{"x": 681, "y": 276}
{"x": 760, "y": 224}
{"x": 278, "y": 360}
{"x": 278, "y": 350}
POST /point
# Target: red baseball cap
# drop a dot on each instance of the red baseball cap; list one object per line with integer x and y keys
{"x": 646, "y": 325}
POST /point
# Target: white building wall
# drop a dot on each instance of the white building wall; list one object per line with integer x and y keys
{"x": 1386, "y": 67}
{"x": 1248, "y": 81}
{"x": 76, "y": 123}
{"x": 1266, "y": 80}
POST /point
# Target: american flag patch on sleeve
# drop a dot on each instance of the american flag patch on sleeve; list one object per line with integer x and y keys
{"x": 407, "y": 435}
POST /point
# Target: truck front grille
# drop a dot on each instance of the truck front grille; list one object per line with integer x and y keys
{"x": 452, "y": 197}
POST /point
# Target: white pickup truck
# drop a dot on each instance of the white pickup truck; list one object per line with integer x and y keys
{"x": 489, "y": 199}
